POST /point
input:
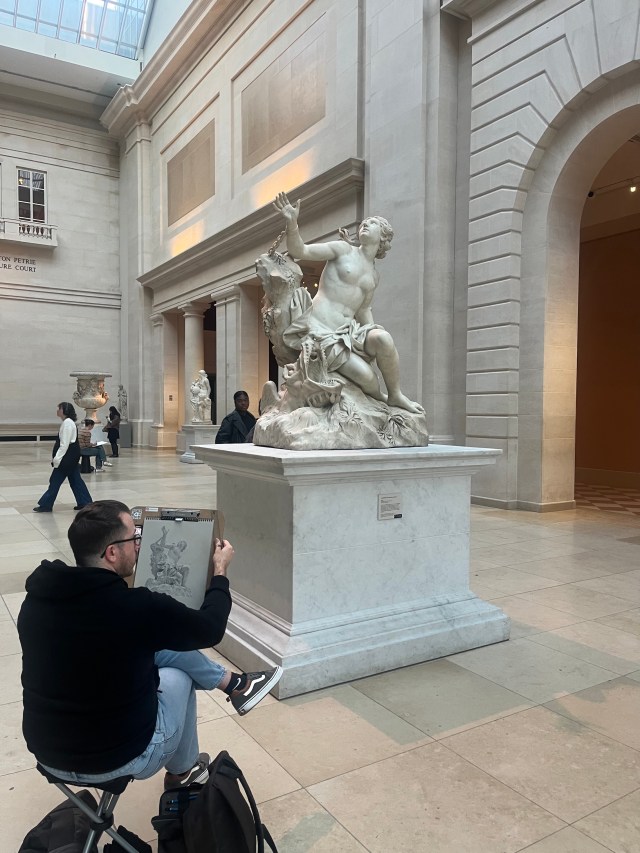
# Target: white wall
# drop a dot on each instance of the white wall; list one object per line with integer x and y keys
{"x": 62, "y": 313}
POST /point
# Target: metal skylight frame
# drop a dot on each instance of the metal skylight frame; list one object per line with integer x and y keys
{"x": 52, "y": 18}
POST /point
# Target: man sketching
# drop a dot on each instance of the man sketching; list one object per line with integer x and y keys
{"x": 110, "y": 673}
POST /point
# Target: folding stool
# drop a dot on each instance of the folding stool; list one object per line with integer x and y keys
{"x": 102, "y": 819}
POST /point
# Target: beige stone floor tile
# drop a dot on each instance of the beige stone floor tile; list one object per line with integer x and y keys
{"x": 27, "y": 562}
{"x": 566, "y": 569}
{"x": 586, "y": 603}
{"x": 430, "y": 799}
{"x": 509, "y": 581}
{"x": 18, "y": 549}
{"x": 323, "y": 734}
{"x": 9, "y": 642}
{"x": 568, "y": 840}
{"x": 13, "y": 582}
{"x": 25, "y": 798}
{"x": 25, "y": 534}
{"x": 483, "y": 591}
{"x": 634, "y": 675}
{"x": 10, "y": 672}
{"x": 14, "y": 754}
{"x": 265, "y": 774}
{"x": 555, "y": 762}
{"x": 532, "y": 670}
{"x": 595, "y": 643}
{"x": 207, "y": 708}
{"x": 440, "y": 698}
{"x": 298, "y": 824}
{"x": 527, "y": 618}
{"x": 625, "y": 585}
{"x": 13, "y": 602}
{"x": 628, "y": 621}
{"x": 4, "y": 611}
{"x": 616, "y": 826}
{"x": 613, "y": 709}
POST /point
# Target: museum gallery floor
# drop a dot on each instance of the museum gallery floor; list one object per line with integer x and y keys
{"x": 531, "y": 744}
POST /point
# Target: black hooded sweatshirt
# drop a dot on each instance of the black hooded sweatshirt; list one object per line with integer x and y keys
{"x": 88, "y": 673}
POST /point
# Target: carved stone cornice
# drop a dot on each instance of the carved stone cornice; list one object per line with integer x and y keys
{"x": 319, "y": 194}
{"x": 466, "y": 8}
{"x": 198, "y": 29}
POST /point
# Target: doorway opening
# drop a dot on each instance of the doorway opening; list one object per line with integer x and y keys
{"x": 607, "y": 466}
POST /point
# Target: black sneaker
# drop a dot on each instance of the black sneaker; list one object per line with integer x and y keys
{"x": 41, "y": 509}
{"x": 197, "y": 776}
{"x": 256, "y": 687}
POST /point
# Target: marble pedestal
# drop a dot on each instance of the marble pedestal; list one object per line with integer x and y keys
{"x": 191, "y": 434}
{"x": 329, "y": 587}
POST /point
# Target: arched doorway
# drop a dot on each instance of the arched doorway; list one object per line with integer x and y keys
{"x": 576, "y": 154}
{"x": 608, "y": 389}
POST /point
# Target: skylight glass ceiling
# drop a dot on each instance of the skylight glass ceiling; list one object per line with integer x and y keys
{"x": 115, "y": 26}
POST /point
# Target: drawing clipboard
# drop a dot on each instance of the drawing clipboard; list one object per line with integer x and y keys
{"x": 176, "y": 550}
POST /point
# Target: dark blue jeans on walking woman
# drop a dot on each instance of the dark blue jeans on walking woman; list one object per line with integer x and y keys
{"x": 78, "y": 487}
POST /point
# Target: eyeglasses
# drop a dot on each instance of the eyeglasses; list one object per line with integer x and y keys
{"x": 135, "y": 539}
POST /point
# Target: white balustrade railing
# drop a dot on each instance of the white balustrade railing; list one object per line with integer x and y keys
{"x": 34, "y": 233}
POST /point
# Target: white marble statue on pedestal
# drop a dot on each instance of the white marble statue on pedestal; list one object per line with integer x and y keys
{"x": 200, "y": 399}
{"x": 329, "y": 347}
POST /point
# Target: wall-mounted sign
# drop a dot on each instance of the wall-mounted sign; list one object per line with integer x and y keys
{"x": 389, "y": 507}
{"x": 8, "y": 262}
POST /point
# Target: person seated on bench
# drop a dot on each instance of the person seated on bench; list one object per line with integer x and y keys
{"x": 89, "y": 447}
{"x": 109, "y": 673}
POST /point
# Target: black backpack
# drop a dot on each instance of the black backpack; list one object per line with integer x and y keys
{"x": 63, "y": 830}
{"x": 214, "y": 817}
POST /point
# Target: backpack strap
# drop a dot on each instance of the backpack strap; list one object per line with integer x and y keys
{"x": 269, "y": 839}
{"x": 229, "y": 768}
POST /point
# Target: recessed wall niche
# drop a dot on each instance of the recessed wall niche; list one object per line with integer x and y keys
{"x": 287, "y": 98}
{"x": 191, "y": 174}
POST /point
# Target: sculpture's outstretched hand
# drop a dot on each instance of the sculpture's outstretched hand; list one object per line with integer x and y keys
{"x": 286, "y": 209}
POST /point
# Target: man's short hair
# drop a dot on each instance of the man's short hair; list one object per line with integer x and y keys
{"x": 89, "y": 422}
{"x": 240, "y": 394}
{"x": 95, "y": 527}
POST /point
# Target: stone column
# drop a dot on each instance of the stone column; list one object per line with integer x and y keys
{"x": 193, "y": 350}
{"x": 157, "y": 324}
{"x": 241, "y": 346}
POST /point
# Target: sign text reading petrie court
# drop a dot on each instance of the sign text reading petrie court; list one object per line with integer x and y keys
{"x": 19, "y": 264}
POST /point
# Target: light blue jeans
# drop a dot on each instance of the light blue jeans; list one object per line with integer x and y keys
{"x": 174, "y": 744}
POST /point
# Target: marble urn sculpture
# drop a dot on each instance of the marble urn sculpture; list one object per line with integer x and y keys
{"x": 90, "y": 394}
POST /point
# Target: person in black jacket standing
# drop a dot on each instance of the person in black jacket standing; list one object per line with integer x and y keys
{"x": 235, "y": 428}
{"x": 66, "y": 456}
{"x": 102, "y": 696}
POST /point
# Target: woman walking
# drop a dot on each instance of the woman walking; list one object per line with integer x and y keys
{"x": 112, "y": 429}
{"x": 66, "y": 455}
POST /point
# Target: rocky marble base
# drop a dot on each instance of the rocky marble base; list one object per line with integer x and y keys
{"x": 349, "y": 563}
{"x": 191, "y": 434}
{"x": 354, "y": 422}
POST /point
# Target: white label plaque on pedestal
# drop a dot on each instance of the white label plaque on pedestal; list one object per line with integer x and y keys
{"x": 323, "y": 588}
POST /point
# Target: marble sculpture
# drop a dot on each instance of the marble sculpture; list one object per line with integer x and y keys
{"x": 123, "y": 403}
{"x": 200, "y": 399}
{"x": 329, "y": 347}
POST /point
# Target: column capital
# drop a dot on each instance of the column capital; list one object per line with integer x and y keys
{"x": 193, "y": 309}
{"x": 157, "y": 319}
{"x": 226, "y": 293}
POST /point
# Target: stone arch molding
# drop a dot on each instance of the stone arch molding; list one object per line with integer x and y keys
{"x": 549, "y": 288}
{"x": 552, "y": 99}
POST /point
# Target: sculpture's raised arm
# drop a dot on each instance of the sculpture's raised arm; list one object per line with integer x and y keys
{"x": 296, "y": 246}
